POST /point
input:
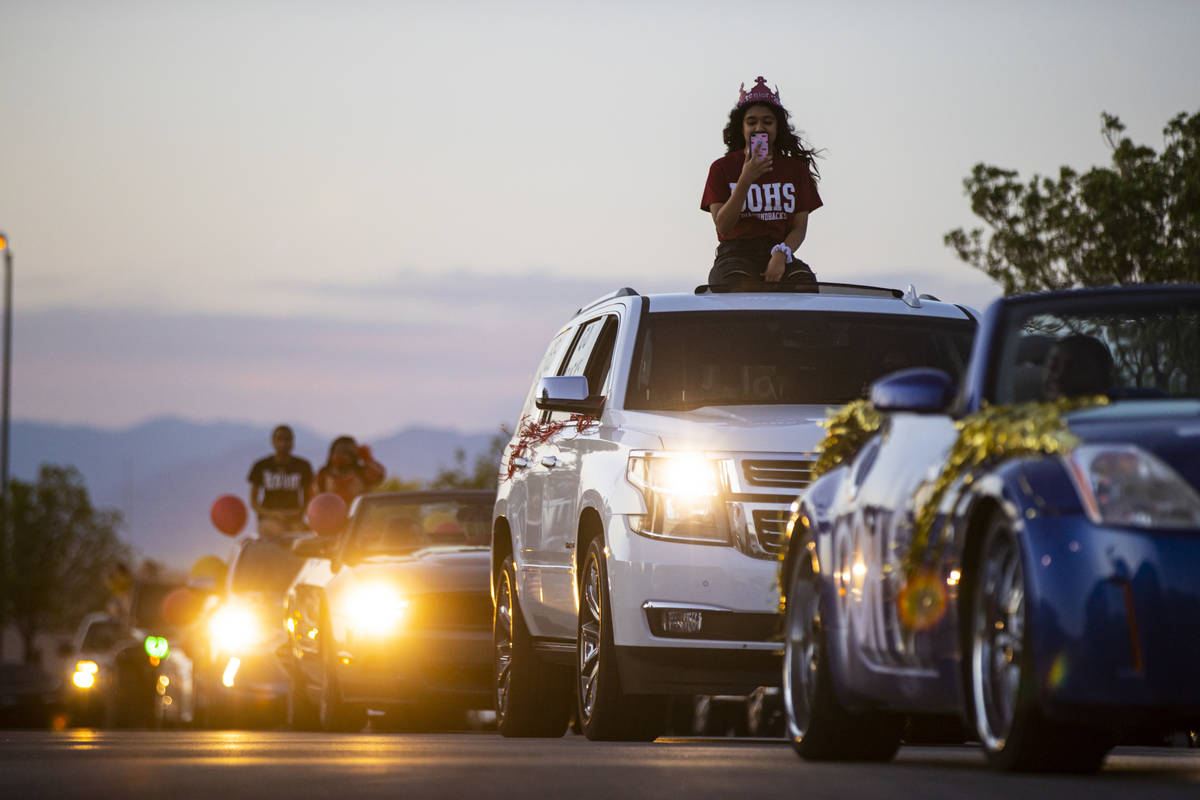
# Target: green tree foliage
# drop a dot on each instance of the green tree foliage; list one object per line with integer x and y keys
{"x": 395, "y": 484}
{"x": 484, "y": 473}
{"x": 1137, "y": 221}
{"x": 62, "y": 551}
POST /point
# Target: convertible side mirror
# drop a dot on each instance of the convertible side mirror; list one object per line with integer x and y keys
{"x": 315, "y": 547}
{"x": 568, "y": 393}
{"x": 921, "y": 390}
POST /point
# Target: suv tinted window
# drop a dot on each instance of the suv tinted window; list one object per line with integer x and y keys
{"x": 548, "y": 365}
{"x": 592, "y": 353}
{"x": 693, "y": 359}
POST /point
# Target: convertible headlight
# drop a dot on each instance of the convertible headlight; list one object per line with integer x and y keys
{"x": 375, "y": 609}
{"x": 235, "y": 628}
{"x": 1125, "y": 485}
{"x": 683, "y": 496}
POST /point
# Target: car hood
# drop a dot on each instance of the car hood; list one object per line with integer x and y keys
{"x": 1170, "y": 429}
{"x": 434, "y": 569}
{"x": 759, "y": 428}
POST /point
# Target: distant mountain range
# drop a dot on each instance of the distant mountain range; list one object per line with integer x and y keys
{"x": 164, "y": 474}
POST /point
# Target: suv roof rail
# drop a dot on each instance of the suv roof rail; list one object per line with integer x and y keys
{"x": 802, "y": 287}
{"x": 624, "y": 291}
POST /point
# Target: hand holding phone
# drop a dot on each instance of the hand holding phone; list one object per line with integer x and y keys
{"x": 758, "y": 145}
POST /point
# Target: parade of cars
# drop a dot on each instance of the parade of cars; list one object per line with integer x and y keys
{"x": 860, "y": 513}
{"x": 1017, "y": 548}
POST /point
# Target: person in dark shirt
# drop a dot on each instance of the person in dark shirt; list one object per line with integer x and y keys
{"x": 760, "y": 201}
{"x": 280, "y": 486}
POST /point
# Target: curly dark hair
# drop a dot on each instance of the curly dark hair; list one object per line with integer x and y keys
{"x": 334, "y": 446}
{"x": 787, "y": 141}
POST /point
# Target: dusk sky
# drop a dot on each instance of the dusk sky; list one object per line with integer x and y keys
{"x": 361, "y": 216}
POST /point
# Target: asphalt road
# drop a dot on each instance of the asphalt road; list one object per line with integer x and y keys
{"x": 183, "y": 764}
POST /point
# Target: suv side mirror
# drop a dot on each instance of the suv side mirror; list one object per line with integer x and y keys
{"x": 315, "y": 547}
{"x": 922, "y": 390}
{"x": 568, "y": 393}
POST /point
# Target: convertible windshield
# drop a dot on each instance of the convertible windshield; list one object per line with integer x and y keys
{"x": 1141, "y": 351}
{"x": 400, "y": 525}
{"x": 687, "y": 360}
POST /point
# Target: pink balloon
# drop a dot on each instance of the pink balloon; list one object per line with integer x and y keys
{"x": 327, "y": 513}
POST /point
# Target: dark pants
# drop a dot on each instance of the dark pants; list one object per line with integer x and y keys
{"x": 741, "y": 260}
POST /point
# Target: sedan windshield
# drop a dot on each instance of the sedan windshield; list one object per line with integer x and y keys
{"x": 687, "y": 360}
{"x": 398, "y": 526}
{"x": 1141, "y": 350}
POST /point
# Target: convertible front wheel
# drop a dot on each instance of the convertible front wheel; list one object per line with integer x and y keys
{"x": 819, "y": 727}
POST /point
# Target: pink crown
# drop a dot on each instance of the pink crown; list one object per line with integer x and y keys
{"x": 759, "y": 94}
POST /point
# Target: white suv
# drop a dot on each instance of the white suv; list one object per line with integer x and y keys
{"x": 644, "y": 493}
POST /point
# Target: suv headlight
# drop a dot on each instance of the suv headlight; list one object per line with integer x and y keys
{"x": 1125, "y": 485}
{"x": 683, "y": 496}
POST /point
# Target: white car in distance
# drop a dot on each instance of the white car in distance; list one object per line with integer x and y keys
{"x": 643, "y": 496}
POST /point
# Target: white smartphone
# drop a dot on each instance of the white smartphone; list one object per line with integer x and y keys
{"x": 758, "y": 145}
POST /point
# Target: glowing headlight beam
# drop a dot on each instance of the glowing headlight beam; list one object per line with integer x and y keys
{"x": 375, "y": 609}
{"x": 234, "y": 628}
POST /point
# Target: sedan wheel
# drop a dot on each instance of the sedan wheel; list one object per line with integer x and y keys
{"x": 1007, "y": 719}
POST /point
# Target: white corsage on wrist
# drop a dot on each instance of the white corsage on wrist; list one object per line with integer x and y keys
{"x": 783, "y": 248}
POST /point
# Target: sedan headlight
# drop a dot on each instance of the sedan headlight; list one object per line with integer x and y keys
{"x": 1125, "y": 485}
{"x": 375, "y": 609}
{"x": 683, "y": 496}
{"x": 235, "y": 628}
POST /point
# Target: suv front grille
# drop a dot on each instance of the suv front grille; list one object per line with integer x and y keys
{"x": 769, "y": 526}
{"x": 780, "y": 474}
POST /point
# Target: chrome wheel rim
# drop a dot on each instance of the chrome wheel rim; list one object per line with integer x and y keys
{"x": 502, "y": 638}
{"x": 998, "y": 640}
{"x": 589, "y": 637}
{"x": 802, "y": 656}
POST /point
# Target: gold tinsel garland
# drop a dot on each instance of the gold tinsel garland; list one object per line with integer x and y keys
{"x": 989, "y": 435}
{"x": 849, "y": 428}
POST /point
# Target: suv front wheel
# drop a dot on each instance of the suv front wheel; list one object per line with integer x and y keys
{"x": 533, "y": 698}
{"x": 605, "y": 712}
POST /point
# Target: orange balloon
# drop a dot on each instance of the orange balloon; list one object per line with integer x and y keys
{"x": 228, "y": 514}
{"x": 327, "y": 513}
{"x": 182, "y": 607}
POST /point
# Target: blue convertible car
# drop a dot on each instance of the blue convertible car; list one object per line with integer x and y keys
{"x": 1021, "y": 551}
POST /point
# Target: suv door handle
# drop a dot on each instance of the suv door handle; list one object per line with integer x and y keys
{"x": 520, "y": 463}
{"x": 550, "y": 461}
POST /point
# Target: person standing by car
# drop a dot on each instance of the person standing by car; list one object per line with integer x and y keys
{"x": 280, "y": 486}
{"x": 760, "y": 201}
{"x": 349, "y": 471}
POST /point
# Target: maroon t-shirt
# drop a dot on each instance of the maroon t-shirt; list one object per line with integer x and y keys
{"x": 771, "y": 200}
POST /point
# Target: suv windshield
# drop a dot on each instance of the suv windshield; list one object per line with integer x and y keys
{"x": 1141, "y": 350}
{"x": 688, "y": 360}
{"x": 402, "y": 525}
